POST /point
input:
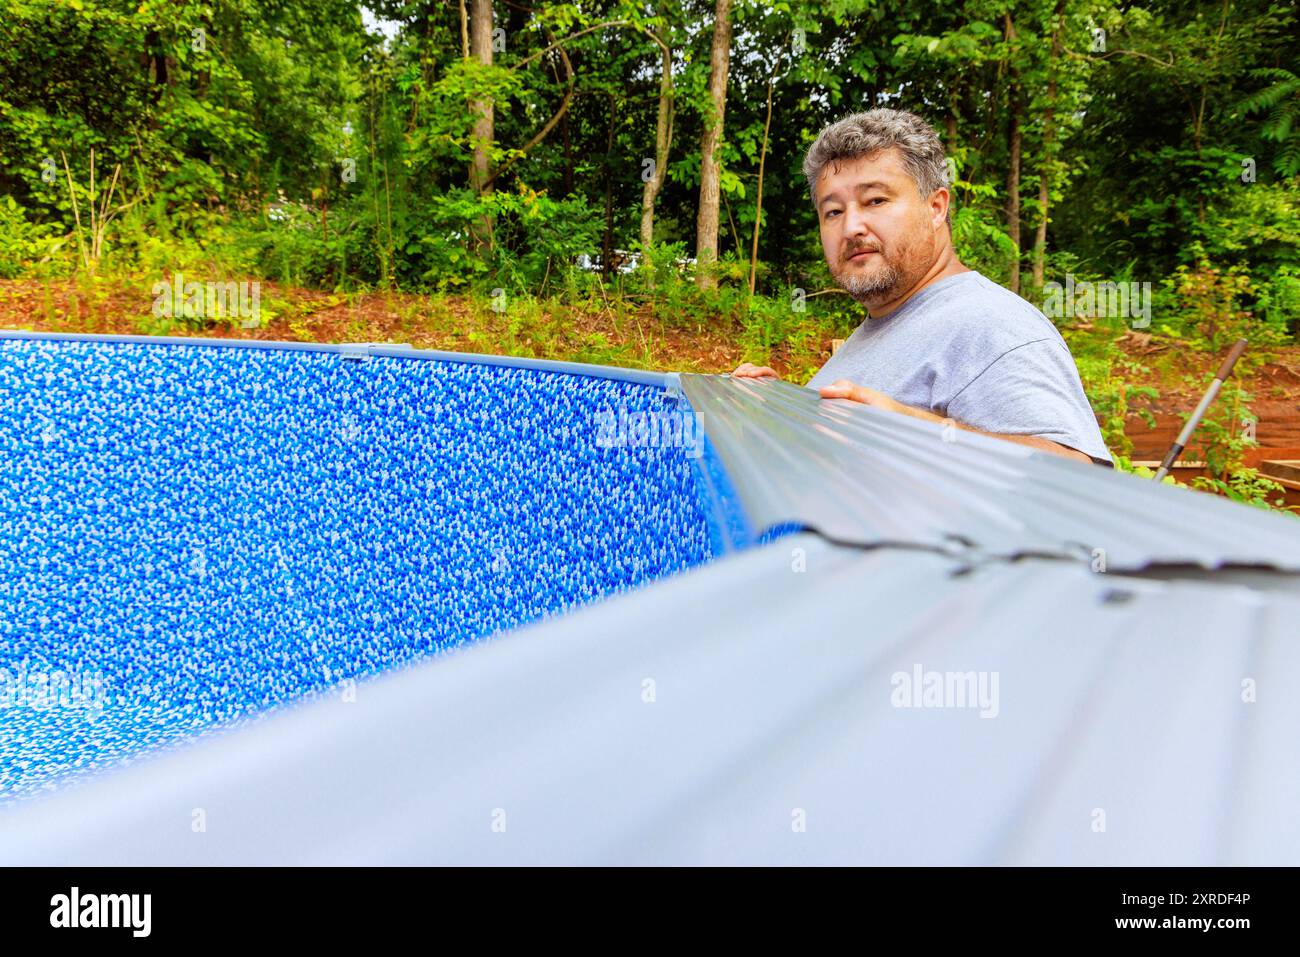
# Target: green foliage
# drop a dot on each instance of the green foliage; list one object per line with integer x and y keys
{"x": 1222, "y": 439}
{"x": 1108, "y": 382}
{"x": 286, "y": 141}
{"x": 1279, "y": 301}
{"x": 1208, "y": 309}
{"x": 980, "y": 241}
{"x": 1245, "y": 485}
{"x": 659, "y": 263}
{"x": 534, "y": 238}
{"x": 1280, "y": 102}
{"x": 1124, "y": 464}
{"x": 24, "y": 246}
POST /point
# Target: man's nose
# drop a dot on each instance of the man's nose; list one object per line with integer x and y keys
{"x": 856, "y": 222}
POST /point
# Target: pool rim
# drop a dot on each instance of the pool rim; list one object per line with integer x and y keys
{"x": 360, "y": 350}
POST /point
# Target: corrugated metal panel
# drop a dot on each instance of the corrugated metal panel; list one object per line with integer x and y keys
{"x": 860, "y": 475}
{"x": 1120, "y": 737}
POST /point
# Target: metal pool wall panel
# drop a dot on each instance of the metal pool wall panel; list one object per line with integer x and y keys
{"x": 775, "y": 702}
{"x": 859, "y": 475}
{"x": 202, "y": 530}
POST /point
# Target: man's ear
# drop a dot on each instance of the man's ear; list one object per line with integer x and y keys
{"x": 938, "y": 206}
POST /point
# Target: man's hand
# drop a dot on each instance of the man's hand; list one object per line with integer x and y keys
{"x": 844, "y": 389}
{"x": 747, "y": 370}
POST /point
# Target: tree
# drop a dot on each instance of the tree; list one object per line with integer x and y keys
{"x": 1048, "y": 158}
{"x": 480, "y": 44}
{"x": 706, "y": 223}
{"x": 1014, "y": 142}
{"x": 663, "y": 139}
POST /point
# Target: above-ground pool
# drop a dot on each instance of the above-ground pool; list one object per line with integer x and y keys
{"x": 194, "y": 534}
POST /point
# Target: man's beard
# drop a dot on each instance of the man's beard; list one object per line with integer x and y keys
{"x": 874, "y": 287}
{"x": 886, "y": 282}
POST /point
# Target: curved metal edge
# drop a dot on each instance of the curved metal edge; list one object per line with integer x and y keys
{"x": 755, "y": 510}
{"x": 718, "y": 495}
{"x": 754, "y": 437}
{"x": 384, "y": 350}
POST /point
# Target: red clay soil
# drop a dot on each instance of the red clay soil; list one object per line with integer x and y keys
{"x": 1275, "y": 400}
{"x": 311, "y": 315}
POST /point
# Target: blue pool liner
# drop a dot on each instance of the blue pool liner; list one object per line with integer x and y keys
{"x": 193, "y": 535}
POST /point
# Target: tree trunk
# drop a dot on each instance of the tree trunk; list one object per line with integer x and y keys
{"x": 1013, "y": 162}
{"x": 1049, "y": 151}
{"x": 480, "y": 43}
{"x": 568, "y": 156}
{"x": 157, "y": 60}
{"x": 607, "y": 244}
{"x": 758, "y": 201}
{"x": 706, "y": 222}
{"x": 203, "y": 73}
{"x": 663, "y": 141}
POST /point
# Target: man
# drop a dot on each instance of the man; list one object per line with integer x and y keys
{"x": 941, "y": 342}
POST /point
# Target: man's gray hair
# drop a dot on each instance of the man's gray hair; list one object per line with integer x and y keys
{"x": 864, "y": 134}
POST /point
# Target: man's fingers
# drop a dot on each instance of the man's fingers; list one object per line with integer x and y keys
{"x": 747, "y": 370}
{"x": 844, "y": 389}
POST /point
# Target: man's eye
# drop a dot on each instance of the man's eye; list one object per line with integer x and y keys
{"x": 831, "y": 212}
{"x": 873, "y": 202}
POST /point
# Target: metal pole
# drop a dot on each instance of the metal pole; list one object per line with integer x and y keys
{"x": 1185, "y": 436}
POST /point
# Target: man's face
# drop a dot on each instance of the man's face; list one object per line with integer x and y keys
{"x": 879, "y": 235}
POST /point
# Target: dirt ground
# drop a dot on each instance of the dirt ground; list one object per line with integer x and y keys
{"x": 1273, "y": 384}
{"x": 451, "y": 323}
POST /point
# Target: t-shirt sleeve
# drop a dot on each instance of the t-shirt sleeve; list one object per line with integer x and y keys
{"x": 1033, "y": 389}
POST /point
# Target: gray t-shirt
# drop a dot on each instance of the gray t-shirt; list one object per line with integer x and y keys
{"x": 967, "y": 349}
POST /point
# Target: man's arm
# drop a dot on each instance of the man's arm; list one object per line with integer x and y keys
{"x": 844, "y": 389}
